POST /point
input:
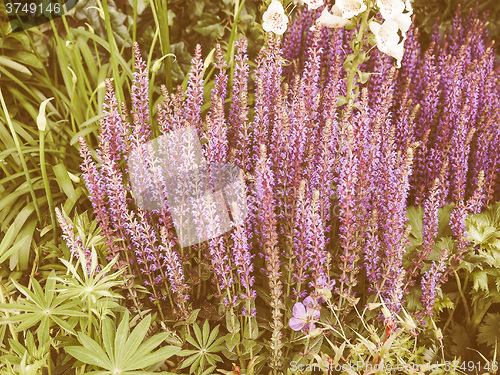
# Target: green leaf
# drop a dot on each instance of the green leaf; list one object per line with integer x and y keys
{"x": 489, "y": 331}
{"x": 121, "y": 335}
{"x": 232, "y": 339}
{"x": 108, "y": 336}
{"x": 480, "y": 279}
{"x": 7, "y": 62}
{"x": 206, "y": 332}
{"x": 64, "y": 181}
{"x": 91, "y": 353}
{"x": 160, "y": 355}
{"x": 151, "y": 343}
{"x": 197, "y": 333}
{"x": 193, "y": 316}
{"x": 134, "y": 341}
{"x": 414, "y": 215}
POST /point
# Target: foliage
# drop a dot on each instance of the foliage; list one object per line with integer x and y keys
{"x": 202, "y": 359}
{"x": 430, "y": 13}
{"x": 123, "y": 353}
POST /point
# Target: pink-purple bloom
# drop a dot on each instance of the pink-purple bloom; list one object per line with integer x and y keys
{"x": 305, "y": 315}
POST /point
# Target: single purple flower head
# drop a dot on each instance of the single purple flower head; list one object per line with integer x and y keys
{"x": 304, "y": 315}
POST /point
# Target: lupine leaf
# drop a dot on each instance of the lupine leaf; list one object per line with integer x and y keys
{"x": 155, "y": 357}
{"x": 134, "y": 341}
{"x": 108, "y": 336}
{"x": 121, "y": 335}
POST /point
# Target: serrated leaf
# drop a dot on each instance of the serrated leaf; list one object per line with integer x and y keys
{"x": 480, "y": 279}
{"x": 489, "y": 331}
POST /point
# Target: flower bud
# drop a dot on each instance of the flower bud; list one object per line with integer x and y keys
{"x": 41, "y": 120}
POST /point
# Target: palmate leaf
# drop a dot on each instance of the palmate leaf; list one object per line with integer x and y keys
{"x": 206, "y": 345}
{"x": 41, "y": 305}
{"x": 123, "y": 353}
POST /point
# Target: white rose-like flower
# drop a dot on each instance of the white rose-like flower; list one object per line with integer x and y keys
{"x": 350, "y": 8}
{"x": 388, "y": 39}
{"x": 313, "y": 4}
{"x": 333, "y": 19}
{"x": 274, "y": 18}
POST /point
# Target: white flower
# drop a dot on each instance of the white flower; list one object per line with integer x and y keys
{"x": 394, "y": 10}
{"x": 391, "y": 8}
{"x": 351, "y": 8}
{"x": 333, "y": 19}
{"x": 313, "y": 4}
{"x": 404, "y": 21}
{"x": 274, "y": 18}
{"x": 388, "y": 39}
{"x": 409, "y": 8}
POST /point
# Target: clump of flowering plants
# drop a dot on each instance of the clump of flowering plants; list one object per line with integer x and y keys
{"x": 414, "y": 131}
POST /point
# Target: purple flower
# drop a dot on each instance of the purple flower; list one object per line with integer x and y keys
{"x": 305, "y": 315}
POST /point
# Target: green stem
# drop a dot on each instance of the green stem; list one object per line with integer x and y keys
{"x": 477, "y": 317}
{"x": 112, "y": 50}
{"x": 21, "y": 156}
{"x": 47, "y": 185}
{"x": 134, "y": 27}
{"x": 464, "y": 301}
{"x": 157, "y": 303}
{"x": 89, "y": 312}
{"x": 160, "y": 13}
{"x": 198, "y": 286}
{"x": 130, "y": 292}
{"x": 357, "y": 50}
{"x": 49, "y": 361}
{"x": 450, "y": 316}
{"x": 230, "y": 47}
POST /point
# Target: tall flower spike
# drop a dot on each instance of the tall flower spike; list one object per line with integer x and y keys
{"x": 94, "y": 184}
{"x": 194, "y": 98}
{"x": 267, "y": 217}
{"x": 348, "y": 177}
{"x": 430, "y": 283}
{"x": 175, "y": 273}
{"x": 320, "y": 258}
{"x": 140, "y": 95}
{"x": 238, "y": 113}
{"x": 300, "y": 243}
{"x": 243, "y": 260}
{"x": 114, "y": 124}
{"x": 216, "y": 122}
{"x": 74, "y": 242}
